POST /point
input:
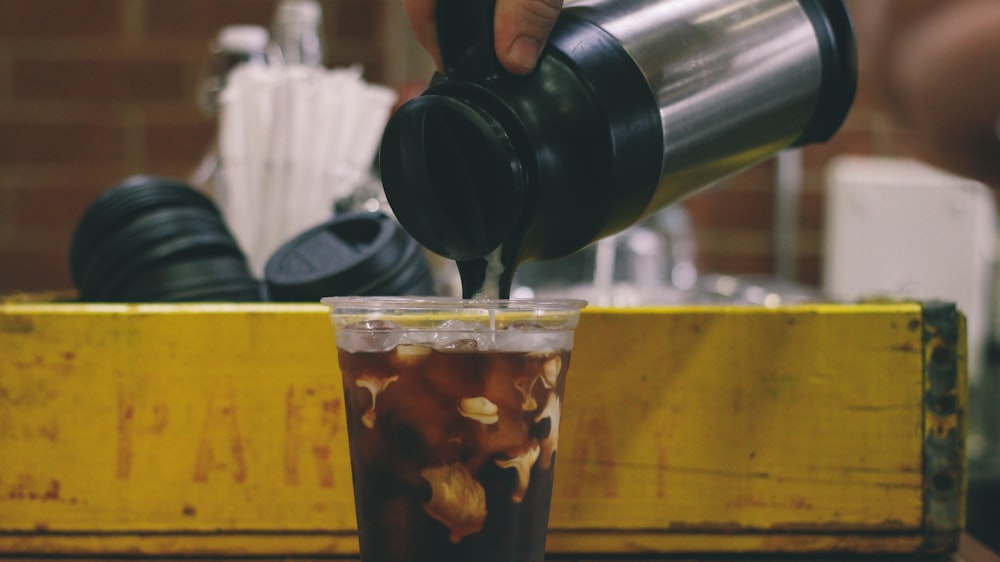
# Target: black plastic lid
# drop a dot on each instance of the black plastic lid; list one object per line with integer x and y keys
{"x": 141, "y": 233}
{"x": 348, "y": 255}
{"x": 541, "y": 164}
{"x": 179, "y": 248}
{"x": 839, "y": 59}
{"x": 157, "y": 239}
{"x": 121, "y": 203}
{"x": 166, "y": 282}
{"x": 452, "y": 175}
{"x": 248, "y": 291}
{"x": 410, "y": 276}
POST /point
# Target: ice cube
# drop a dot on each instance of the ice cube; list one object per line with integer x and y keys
{"x": 459, "y": 326}
{"x": 528, "y": 338}
{"x": 460, "y": 335}
{"x": 465, "y": 344}
{"x": 369, "y": 335}
{"x": 526, "y": 326}
{"x": 375, "y": 326}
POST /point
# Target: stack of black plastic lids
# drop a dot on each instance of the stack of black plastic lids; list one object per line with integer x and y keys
{"x": 363, "y": 254}
{"x": 153, "y": 239}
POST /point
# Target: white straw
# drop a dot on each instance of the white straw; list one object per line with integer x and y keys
{"x": 292, "y": 142}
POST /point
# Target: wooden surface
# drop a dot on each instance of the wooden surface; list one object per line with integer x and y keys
{"x": 970, "y": 550}
{"x": 217, "y": 430}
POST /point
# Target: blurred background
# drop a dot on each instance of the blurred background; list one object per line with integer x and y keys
{"x": 92, "y": 92}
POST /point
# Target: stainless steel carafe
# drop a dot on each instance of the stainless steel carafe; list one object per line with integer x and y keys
{"x": 634, "y": 104}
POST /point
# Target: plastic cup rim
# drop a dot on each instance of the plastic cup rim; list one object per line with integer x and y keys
{"x": 355, "y": 304}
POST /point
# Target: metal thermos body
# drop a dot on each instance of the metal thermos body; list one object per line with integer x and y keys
{"x": 732, "y": 79}
{"x": 634, "y": 105}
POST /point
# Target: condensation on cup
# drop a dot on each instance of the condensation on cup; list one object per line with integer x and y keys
{"x": 453, "y": 410}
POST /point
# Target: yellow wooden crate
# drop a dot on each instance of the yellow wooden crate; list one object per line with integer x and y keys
{"x": 218, "y": 430}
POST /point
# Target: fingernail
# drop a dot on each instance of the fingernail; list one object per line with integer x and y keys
{"x": 524, "y": 52}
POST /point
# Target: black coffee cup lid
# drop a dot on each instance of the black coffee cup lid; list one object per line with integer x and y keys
{"x": 122, "y": 203}
{"x": 405, "y": 278}
{"x": 180, "y": 248}
{"x": 344, "y": 256}
{"x": 164, "y": 282}
{"x": 138, "y": 236}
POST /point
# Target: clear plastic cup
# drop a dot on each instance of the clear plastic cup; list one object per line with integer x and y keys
{"x": 453, "y": 410}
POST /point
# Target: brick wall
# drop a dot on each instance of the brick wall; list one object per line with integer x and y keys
{"x": 93, "y": 91}
{"x": 735, "y": 219}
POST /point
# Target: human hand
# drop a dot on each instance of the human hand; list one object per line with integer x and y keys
{"x": 929, "y": 65}
{"x": 520, "y": 29}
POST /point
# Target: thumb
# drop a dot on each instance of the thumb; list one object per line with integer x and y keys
{"x": 521, "y": 28}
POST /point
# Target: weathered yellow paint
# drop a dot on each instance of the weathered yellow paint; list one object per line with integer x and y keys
{"x": 218, "y": 429}
{"x": 743, "y": 418}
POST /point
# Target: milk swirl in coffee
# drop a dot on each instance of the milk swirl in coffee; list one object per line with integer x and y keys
{"x": 454, "y": 435}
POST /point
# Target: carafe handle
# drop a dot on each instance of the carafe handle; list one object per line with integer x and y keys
{"x": 465, "y": 34}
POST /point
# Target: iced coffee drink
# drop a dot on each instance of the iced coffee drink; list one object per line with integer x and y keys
{"x": 453, "y": 411}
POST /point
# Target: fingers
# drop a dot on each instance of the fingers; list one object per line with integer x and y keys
{"x": 946, "y": 89}
{"x": 521, "y": 28}
{"x": 881, "y": 26}
{"x": 421, "y": 15}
